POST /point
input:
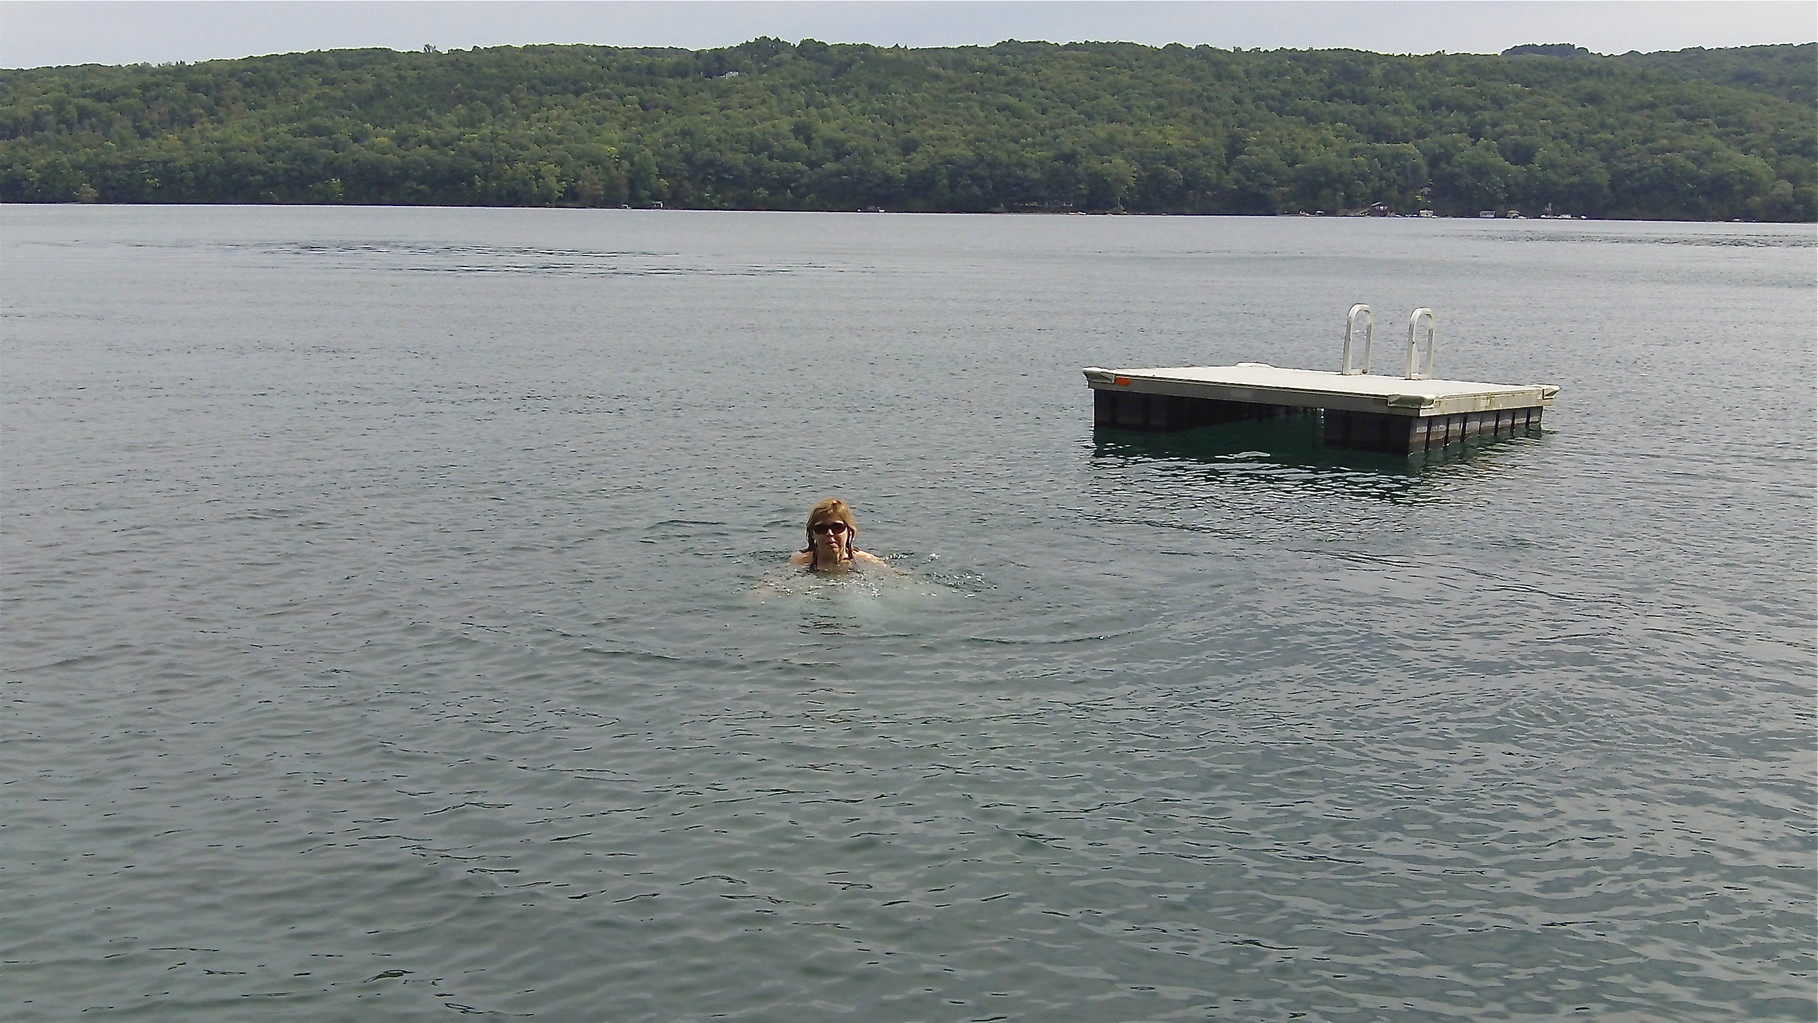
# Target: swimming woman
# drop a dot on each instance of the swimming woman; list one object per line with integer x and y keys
{"x": 831, "y": 534}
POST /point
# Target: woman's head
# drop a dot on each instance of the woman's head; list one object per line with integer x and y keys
{"x": 832, "y": 519}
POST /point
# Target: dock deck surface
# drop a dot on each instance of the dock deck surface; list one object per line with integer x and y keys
{"x": 1260, "y": 384}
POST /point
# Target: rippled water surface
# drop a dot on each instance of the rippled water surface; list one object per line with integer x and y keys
{"x": 394, "y": 626}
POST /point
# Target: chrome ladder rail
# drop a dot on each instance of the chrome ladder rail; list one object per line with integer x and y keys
{"x": 1425, "y": 372}
{"x": 1349, "y": 368}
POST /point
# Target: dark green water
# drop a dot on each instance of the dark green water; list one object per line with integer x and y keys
{"x": 394, "y": 626}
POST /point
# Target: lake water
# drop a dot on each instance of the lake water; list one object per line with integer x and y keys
{"x": 394, "y": 626}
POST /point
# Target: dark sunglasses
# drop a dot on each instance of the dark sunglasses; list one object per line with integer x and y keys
{"x": 829, "y": 527}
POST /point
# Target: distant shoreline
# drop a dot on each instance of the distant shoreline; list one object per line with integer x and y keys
{"x": 984, "y": 213}
{"x": 1693, "y": 135}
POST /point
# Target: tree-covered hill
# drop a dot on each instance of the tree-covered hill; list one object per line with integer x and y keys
{"x": 1717, "y": 134}
{"x": 1789, "y": 72}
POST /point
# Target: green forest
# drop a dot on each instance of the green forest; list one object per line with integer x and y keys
{"x": 1695, "y": 134}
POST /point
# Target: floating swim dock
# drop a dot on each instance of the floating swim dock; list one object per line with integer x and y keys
{"x": 1361, "y": 410}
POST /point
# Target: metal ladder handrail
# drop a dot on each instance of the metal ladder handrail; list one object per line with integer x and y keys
{"x": 1348, "y": 368}
{"x": 1425, "y": 373}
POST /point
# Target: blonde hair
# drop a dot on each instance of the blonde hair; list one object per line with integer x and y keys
{"x": 831, "y": 510}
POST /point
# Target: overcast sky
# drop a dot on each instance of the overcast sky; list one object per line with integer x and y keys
{"x": 36, "y": 33}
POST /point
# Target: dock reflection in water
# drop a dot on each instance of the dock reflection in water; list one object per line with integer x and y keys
{"x": 1294, "y": 440}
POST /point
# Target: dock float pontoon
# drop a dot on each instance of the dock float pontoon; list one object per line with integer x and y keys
{"x": 1362, "y": 410}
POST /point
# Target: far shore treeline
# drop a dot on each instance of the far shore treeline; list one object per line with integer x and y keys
{"x": 1097, "y": 127}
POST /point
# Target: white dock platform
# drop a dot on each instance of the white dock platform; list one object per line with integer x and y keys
{"x": 1361, "y": 410}
{"x": 1257, "y": 383}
